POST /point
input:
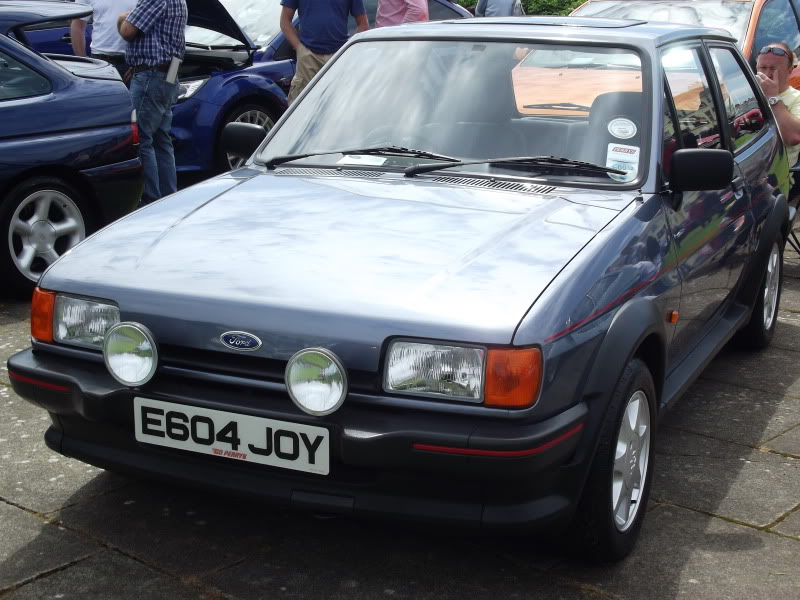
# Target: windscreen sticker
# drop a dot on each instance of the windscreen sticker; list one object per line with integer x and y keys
{"x": 362, "y": 159}
{"x": 623, "y": 158}
{"x": 623, "y": 129}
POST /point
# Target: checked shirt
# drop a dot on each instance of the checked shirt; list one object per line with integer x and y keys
{"x": 162, "y": 23}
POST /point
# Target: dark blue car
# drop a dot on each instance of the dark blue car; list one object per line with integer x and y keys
{"x": 68, "y": 147}
{"x": 238, "y": 67}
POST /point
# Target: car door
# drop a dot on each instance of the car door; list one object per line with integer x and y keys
{"x": 751, "y": 129}
{"x": 53, "y": 37}
{"x": 710, "y": 229}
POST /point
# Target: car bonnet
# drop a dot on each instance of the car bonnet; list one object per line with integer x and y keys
{"x": 211, "y": 14}
{"x": 414, "y": 258}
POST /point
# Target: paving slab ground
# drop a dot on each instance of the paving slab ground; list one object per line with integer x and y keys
{"x": 723, "y": 522}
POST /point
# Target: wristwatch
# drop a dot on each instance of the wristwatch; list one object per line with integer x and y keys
{"x": 773, "y": 100}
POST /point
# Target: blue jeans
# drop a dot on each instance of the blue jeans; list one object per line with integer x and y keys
{"x": 153, "y": 99}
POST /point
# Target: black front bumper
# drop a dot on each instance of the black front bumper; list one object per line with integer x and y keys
{"x": 470, "y": 471}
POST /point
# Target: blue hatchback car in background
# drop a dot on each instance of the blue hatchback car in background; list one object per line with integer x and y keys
{"x": 238, "y": 67}
{"x": 68, "y": 147}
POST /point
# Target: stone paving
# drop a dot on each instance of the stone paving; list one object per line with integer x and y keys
{"x": 723, "y": 523}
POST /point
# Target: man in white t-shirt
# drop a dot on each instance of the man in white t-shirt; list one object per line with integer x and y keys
{"x": 774, "y": 65}
{"x": 107, "y": 44}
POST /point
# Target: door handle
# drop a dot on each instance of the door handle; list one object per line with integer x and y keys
{"x": 739, "y": 188}
{"x": 66, "y": 38}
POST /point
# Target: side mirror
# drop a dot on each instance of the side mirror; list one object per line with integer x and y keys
{"x": 700, "y": 169}
{"x": 242, "y": 139}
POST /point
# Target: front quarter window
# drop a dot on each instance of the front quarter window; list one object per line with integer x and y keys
{"x": 476, "y": 100}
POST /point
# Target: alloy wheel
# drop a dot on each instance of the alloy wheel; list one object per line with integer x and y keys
{"x": 631, "y": 461}
{"x": 771, "y": 286}
{"x": 44, "y": 226}
{"x": 256, "y": 117}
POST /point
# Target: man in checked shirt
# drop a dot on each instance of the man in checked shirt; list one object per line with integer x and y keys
{"x": 154, "y": 31}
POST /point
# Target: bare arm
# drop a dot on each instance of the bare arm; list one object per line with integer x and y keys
{"x": 288, "y": 29}
{"x": 362, "y": 23}
{"x": 416, "y": 10}
{"x": 126, "y": 30}
{"x": 77, "y": 31}
{"x": 788, "y": 124}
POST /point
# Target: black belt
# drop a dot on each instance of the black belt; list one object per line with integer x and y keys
{"x": 114, "y": 59}
{"x": 139, "y": 68}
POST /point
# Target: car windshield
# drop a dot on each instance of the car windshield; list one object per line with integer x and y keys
{"x": 474, "y": 101}
{"x": 732, "y": 15}
{"x": 260, "y": 20}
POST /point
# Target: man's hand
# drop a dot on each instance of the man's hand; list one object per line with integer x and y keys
{"x": 768, "y": 86}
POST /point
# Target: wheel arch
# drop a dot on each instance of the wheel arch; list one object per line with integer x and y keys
{"x": 637, "y": 331}
{"x": 72, "y": 177}
{"x": 776, "y": 223}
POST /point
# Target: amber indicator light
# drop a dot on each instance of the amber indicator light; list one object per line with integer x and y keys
{"x": 513, "y": 377}
{"x": 42, "y": 308}
{"x": 672, "y": 317}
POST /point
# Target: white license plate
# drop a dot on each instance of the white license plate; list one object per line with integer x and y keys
{"x": 231, "y": 435}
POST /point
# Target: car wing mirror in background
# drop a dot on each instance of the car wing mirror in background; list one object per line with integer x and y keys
{"x": 698, "y": 170}
{"x": 242, "y": 139}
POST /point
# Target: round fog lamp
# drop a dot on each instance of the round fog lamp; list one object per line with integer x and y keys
{"x": 316, "y": 381}
{"x": 130, "y": 353}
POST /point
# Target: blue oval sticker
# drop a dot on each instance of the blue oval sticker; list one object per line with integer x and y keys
{"x": 240, "y": 340}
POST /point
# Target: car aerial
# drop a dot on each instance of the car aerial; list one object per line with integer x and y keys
{"x": 424, "y": 303}
{"x": 754, "y": 23}
{"x": 238, "y": 67}
{"x": 68, "y": 146}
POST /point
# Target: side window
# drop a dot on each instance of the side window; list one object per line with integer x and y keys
{"x": 743, "y": 116}
{"x": 440, "y": 12}
{"x": 777, "y": 23}
{"x": 694, "y": 104}
{"x": 19, "y": 81}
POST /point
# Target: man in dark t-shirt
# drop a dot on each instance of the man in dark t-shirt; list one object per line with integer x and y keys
{"x": 323, "y": 30}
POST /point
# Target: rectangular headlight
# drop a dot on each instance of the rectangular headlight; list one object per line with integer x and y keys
{"x": 455, "y": 372}
{"x": 83, "y": 322}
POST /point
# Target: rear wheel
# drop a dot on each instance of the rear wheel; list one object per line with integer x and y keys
{"x": 245, "y": 113}
{"x": 757, "y": 334}
{"x": 41, "y": 219}
{"x": 614, "y": 501}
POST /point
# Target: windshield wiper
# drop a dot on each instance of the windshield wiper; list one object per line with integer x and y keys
{"x": 217, "y": 46}
{"x": 379, "y": 150}
{"x": 525, "y": 161}
{"x": 560, "y": 106}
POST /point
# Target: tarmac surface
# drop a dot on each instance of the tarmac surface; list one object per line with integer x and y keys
{"x": 723, "y": 522}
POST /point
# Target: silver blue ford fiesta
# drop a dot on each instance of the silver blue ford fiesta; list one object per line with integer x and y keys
{"x": 461, "y": 281}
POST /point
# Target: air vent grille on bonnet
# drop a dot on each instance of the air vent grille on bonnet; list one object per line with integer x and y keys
{"x": 329, "y": 172}
{"x": 511, "y": 186}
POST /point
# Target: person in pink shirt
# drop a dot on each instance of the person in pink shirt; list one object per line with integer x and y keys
{"x": 397, "y": 12}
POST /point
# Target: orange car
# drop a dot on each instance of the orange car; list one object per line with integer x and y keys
{"x": 755, "y": 23}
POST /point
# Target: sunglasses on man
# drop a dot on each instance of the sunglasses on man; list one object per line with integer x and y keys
{"x": 777, "y": 51}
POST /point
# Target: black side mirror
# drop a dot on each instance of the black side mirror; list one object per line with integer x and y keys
{"x": 700, "y": 169}
{"x": 242, "y": 139}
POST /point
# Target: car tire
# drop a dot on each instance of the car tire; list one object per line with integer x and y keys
{"x": 244, "y": 113}
{"x": 758, "y": 332}
{"x": 603, "y": 530}
{"x": 40, "y": 219}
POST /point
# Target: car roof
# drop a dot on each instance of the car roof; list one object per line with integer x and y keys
{"x": 15, "y": 13}
{"x": 627, "y": 31}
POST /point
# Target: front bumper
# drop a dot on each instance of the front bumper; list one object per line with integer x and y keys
{"x": 474, "y": 472}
